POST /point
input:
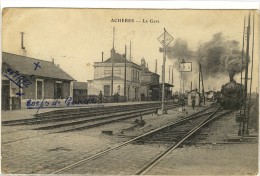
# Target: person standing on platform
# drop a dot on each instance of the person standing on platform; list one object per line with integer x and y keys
{"x": 193, "y": 102}
{"x": 100, "y": 97}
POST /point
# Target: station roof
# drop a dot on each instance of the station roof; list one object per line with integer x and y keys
{"x": 118, "y": 58}
{"x": 25, "y": 65}
{"x": 165, "y": 84}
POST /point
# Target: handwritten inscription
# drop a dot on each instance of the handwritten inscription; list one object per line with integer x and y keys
{"x": 17, "y": 78}
{"x": 44, "y": 103}
{"x": 56, "y": 103}
{"x": 19, "y": 93}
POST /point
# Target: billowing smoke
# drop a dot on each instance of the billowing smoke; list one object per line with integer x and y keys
{"x": 220, "y": 56}
{"x": 179, "y": 51}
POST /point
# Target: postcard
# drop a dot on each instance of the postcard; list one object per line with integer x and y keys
{"x": 129, "y": 91}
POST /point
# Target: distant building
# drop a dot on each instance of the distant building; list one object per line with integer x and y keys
{"x": 151, "y": 89}
{"x": 80, "y": 92}
{"x": 193, "y": 95}
{"x": 103, "y": 78}
{"x": 25, "y": 78}
{"x": 148, "y": 81}
{"x": 157, "y": 91}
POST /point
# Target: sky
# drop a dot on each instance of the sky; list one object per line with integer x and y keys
{"x": 75, "y": 38}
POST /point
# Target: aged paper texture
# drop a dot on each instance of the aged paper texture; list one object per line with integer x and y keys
{"x": 129, "y": 92}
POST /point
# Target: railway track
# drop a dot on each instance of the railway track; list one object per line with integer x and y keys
{"x": 105, "y": 162}
{"x": 85, "y": 121}
{"x": 180, "y": 141}
{"x": 98, "y": 121}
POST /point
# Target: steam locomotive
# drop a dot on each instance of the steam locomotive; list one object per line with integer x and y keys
{"x": 232, "y": 95}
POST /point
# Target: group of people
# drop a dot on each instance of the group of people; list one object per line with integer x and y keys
{"x": 182, "y": 102}
{"x": 101, "y": 97}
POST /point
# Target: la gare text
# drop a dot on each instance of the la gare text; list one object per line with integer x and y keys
{"x": 125, "y": 20}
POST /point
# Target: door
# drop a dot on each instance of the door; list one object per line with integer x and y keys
{"x": 58, "y": 90}
{"x": 39, "y": 89}
{"x": 5, "y": 95}
{"x": 106, "y": 90}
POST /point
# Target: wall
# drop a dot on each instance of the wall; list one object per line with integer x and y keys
{"x": 155, "y": 79}
{"x": 95, "y": 86}
{"x": 145, "y": 90}
{"x": 102, "y": 70}
{"x": 66, "y": 89}
{"x": 48, "y": 92}
{"x": 49, "y": 88}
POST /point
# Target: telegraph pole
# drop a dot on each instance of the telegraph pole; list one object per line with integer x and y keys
{"x": 112, "y": 62}
{"x": 156, "y": 66}
{"x": 172, "y": 74}
{"x": 169, "y": 74}
{"x": 252, "y": 64}
{"x": 202, "y": 85}
{"x": 125, "y": 73}
{"x": 241, "y": 76}
{"x": 163, "y": 71}
{"x": 130, "y": 58}
{"x": 172, "y": 79}
{"x": 246, "y": 76}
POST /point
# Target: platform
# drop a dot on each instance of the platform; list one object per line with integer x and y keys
{"x": 29, "y": 113}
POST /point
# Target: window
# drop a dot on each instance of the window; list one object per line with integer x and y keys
{"x": 58, "y": 90}
{"x": 39, "y": 89}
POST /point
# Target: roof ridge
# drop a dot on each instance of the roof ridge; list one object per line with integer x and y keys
{"x": 28, "y": 57}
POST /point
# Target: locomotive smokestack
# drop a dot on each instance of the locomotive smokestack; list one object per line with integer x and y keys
{"x": 231, "y": 76}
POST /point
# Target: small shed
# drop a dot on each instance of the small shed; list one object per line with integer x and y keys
{"x": 193, "y": 95}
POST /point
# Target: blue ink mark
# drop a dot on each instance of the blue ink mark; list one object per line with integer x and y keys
{"x": 13, "y": 81}
{"x": 15, "y": 77}
{"x": 37, "y": 65}
{"x": 19, "y": 94}
{"x": 68, "y": 101}
{"x": 40, "y": 105}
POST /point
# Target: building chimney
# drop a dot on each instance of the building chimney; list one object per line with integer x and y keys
{"x": 102, "y": 56}
{"x": 22, "y": 45}
{"x": 52, "y": 60}
{"x": 22, "y": 50}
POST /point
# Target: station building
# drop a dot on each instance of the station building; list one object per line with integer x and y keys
{"x": 22, "y": 81}
{"x": 103, "y": 78}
